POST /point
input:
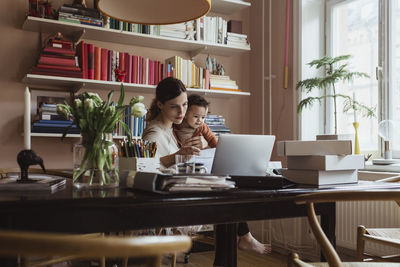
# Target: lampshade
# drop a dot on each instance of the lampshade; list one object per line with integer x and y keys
{"x": 154, "y": 11}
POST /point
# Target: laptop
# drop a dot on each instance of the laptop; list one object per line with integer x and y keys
{"x": 245, "y": 158}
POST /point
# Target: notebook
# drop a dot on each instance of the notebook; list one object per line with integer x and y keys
{"x": 245, "y": 158}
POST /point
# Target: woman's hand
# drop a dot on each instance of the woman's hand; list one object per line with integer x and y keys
{"x": 188, "y": 150}
{"x": 197, "y": 141}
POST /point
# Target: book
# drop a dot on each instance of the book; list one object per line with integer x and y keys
{"x": 58, "y": 51}
{"x": 41, "y": 182}
{"x": 309, "y": 148}
{"x": 317, "y": 177}
{"x": 81, "y": 53}
{"x": 51, "y": 60}
{"x": 326, "y": 162}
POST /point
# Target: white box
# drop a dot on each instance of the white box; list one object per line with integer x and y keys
{"x": 139, "y": 164}
{"x": 309, "y": 148}
{"x": 326, "y": 162}
{"x": 316, "y": 177}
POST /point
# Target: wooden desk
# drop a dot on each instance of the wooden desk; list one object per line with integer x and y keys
{"x": 120, "y": 209}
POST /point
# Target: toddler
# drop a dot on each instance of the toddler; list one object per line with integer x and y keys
{"x": 193, "y": 124}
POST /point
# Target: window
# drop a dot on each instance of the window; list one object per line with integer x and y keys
{"x": 369, "y": 30}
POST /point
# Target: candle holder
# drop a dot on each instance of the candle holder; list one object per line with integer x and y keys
{"x": 356, "y": 143}
{"x": 26, "y": 158}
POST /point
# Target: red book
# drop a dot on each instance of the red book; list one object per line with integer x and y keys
{"x": 150, "y": 71}
{"x": 57, "y": 61}
{"x": 104, "y": 64}
{"x": 144, "y": 70}
{"x": 109, "y": 65}
{"x": 140, "y": 63}
{"x": 97, "y": 63}
{"x": 90, "y": 55}
{"x": 134, "y": 69}
{"x": 121, "y": 65}
{"x": 44, "y": 66}
{"x": 82, "y": 58}
{"x": 55, "y": 50}
{"x": 207, "y": 79}
{"x": 60, "y": 44}
{"x": 128, "y": 68}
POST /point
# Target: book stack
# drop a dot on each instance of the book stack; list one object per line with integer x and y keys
{"x": 216, "y": 123}
{"x": 222, "y": 82}
{"x": 48, "y": 121}
{"x": 58, "y": 59}
{"x": 80, "y": 15}
{"x": 322, "y": 162}
{"x": 236, "y": 39}
{"x": 174, "y": 30}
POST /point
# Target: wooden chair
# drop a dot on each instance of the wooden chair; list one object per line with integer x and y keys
{"x": 383, "y": 236}
{"x": 328, "y": 250}
{"x": 149, "y": 248}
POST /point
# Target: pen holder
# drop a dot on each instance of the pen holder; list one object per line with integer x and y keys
{"x": 139, "y": 164}
{"x": 356, "y": 143}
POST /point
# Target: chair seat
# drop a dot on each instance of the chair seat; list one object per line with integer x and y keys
{"x": 392, "y": 233}
{"x": 355, "y": 264}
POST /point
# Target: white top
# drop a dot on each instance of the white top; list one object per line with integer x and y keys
{"x": 166, "y": 143}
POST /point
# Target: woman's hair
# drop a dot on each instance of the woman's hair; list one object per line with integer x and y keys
{"x": 167, "y": 89}
{"x": 197, "y": 100}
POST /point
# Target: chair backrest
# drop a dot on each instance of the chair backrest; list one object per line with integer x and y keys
{"x": 336, "y": 196}
{"x": 15, "y": 243}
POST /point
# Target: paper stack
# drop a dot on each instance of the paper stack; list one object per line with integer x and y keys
{"x": 196, "y": 183}
{"x": 322, "y": 162}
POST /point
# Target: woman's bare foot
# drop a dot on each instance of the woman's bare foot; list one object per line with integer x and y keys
{"x": 249, "y": 243}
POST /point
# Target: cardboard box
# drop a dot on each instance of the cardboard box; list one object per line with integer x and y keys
{"x": 315, "y": 177}
{"x": 139, "y": 164}
{"x": 310, "y": 148}
{"x": 326, "y": 162}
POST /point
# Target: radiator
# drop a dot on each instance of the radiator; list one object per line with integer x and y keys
{"x": 371, "y": 214}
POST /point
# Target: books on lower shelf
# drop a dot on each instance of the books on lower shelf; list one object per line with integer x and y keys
{"x": 41, "y": 182}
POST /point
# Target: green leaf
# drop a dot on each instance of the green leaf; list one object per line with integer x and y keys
{"x": 121, "y": 96}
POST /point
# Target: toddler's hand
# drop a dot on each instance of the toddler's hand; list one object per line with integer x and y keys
{"x": 189, "y": 150}
{"x": 197, "y": 141}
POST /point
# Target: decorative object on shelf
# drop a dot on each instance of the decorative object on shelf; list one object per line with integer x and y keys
{"x": 190, "y": 32}
{"x": 335, "y": 72}
{"x": 387, "y": 130}
{"x": 356, "y": 143}
{"x": 120, "y": 74}
{"x": 26, "y": 158}
{"x": 40, "y": 8}
{"x": 154, "y": 11}
{"x": 96, "y": 158}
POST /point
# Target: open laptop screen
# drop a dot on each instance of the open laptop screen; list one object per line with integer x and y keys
{"x": 243, "y": 154}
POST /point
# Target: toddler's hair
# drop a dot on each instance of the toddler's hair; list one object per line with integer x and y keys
{"x": 197, "y": 100}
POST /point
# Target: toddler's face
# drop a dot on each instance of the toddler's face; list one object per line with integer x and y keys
{"x": 195, "y": 116}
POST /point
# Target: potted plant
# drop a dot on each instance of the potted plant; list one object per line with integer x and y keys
{"x": 335, "y": 70}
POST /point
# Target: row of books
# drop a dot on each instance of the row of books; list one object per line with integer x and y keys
{"x": 103, "y": 64}
{"x": 204, "y": 29}
{"x": 54, "y": 126}
{"x": 322, "y": 162}
{"x": 135, "y": 125}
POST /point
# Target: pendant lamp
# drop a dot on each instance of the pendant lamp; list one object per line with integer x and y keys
{"x": 154, "y": 11}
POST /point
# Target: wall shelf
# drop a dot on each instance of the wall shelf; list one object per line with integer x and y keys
{"x": 75, "y": 84}
{"x": 58, "y": 135}
{"x": 228, "y": 6}
{"x": 77, "y": 31}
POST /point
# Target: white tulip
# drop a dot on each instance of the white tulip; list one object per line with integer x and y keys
{"x": 139, "y": 110}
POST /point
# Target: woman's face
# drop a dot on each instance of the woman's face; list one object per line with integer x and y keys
{"x": 174, "y": 110}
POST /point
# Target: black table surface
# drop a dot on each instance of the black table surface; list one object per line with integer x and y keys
{"x": 72, "y": 210}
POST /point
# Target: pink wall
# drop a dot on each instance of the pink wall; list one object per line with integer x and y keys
{"x": 20, "y": 49}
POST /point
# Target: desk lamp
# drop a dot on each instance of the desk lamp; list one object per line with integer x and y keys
{"x": 386, "y": 130}
{"x": 154, "y": 12}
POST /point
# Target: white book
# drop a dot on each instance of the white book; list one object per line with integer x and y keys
{"x": 316, "y": 177}
{"x": 326, "y": 162}
{"x": 310, "y": 148}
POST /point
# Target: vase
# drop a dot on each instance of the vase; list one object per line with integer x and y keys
{"x": 95, "y": 161}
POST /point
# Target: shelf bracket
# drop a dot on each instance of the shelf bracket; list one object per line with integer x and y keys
{"x": 79, "y": 36}
{"x": 194, "y": 53}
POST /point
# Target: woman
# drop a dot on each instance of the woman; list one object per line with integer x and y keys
{"x": 168, "y": 108}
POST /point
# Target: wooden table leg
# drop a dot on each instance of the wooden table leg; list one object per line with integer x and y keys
{"x": 226, "y": 245}
{"x": 328, "y": 224}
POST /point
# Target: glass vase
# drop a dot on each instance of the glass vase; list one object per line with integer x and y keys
{"x": 95, "y": 161}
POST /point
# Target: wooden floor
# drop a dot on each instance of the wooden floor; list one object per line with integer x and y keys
{"x": 245, "y": 259}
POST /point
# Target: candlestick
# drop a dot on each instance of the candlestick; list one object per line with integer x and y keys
{"x": 356, "y": 144}
{"x": 27, "y": 119}
{"x": 355, "y": 111}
